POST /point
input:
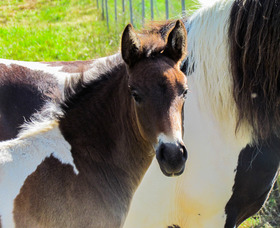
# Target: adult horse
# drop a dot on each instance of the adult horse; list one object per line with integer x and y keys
{"x": 81, "y": 168}
{"x": 231, "y": 120}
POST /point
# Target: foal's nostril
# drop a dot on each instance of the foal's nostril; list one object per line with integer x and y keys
{"x": 184, "y": 151}
{"x": 160, "y": 153}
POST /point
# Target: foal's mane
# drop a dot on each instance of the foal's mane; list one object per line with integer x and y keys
{"x": 254, "y": 33}
{"x": 161, "y": 29}
{"x": 77, "y": 87}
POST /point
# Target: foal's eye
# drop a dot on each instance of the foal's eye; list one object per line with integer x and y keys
{"x": 185, "y": 93}
{"x": 136, "y": 96}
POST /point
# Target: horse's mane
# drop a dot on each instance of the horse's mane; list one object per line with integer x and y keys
{"x": 77, "y": 87}
{"x": 254, "y": 35}
{"x": 161, "y": 28}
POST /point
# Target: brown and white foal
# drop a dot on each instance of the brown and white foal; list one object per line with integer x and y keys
{"x": 81, "y": 168}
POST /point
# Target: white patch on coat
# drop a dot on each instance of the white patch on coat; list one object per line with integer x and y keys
{"x": 56, "y": 71}
{"x": 198, "y": 197}
{"x": 20, "y": 157}
{"x": 254, "y": 95}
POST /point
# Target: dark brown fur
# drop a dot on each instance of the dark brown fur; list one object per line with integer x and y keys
{"x": 22, "y": 92}
{"x": 258, "y": 167}
{"x": 255, "y": 60}
{"x": 111, "y": 139}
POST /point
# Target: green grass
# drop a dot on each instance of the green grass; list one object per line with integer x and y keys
{"x": 51, "y": 30}
{"x": 54, "y": 30}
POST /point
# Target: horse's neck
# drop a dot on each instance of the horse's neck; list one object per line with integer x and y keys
{"x": 202, "y": 123}
{"x": 208, "y": 142}
{"x": 106, "y": 135}
{"x": 20, "y": 157}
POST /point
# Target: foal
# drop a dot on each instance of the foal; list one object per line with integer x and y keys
{"x": 81, "y": 169}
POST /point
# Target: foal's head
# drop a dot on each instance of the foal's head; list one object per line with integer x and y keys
{"x": 158, "y": 89}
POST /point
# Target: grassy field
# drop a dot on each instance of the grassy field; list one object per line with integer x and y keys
{"x": 41, "y": 30}
{"x": 47, "y": 30}
{"x": 51, "y": 30}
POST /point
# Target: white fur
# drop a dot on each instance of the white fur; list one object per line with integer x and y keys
{"x": 198, "y": 197}
{"x": 163, "y": 138}
{"x": 207, "y": 2}
{"x": 56, "y": 71}
{"x": 20, "y": 157}
{"x": 101, "y": 65}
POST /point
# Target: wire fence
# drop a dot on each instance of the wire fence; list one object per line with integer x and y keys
{"x": 140, "y": 11}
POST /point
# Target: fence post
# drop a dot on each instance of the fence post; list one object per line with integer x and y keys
{"x": 183, "y": 8}
{"x": 102, "y": 9}
{"x": 131, "y": 12}
{"x": 123, "y": 6}
{"x": 143, "y": 13}
{"x": 116, "y": 12}
{"x": 166, "y": 9}
{"x": 152, "y": 10}
{"x": 107, "y": 15}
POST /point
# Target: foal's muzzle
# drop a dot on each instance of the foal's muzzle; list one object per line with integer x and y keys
{"x": 172, "y": 158}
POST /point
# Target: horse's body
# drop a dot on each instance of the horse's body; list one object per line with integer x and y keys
{"x": 231, "y": 122}
{"x": 26, "y": 86}
{"x": 80, "y": 165}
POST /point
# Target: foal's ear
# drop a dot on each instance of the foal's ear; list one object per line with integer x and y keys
{"x": 176, "y": 46}
{"x": 130, "y": 46}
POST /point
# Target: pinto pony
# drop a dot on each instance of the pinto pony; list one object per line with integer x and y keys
{"x": 80, "y": 165}
{"x": 231, "y": 122}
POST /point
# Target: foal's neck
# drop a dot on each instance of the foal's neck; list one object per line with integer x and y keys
{"x": 102, "y": 130}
